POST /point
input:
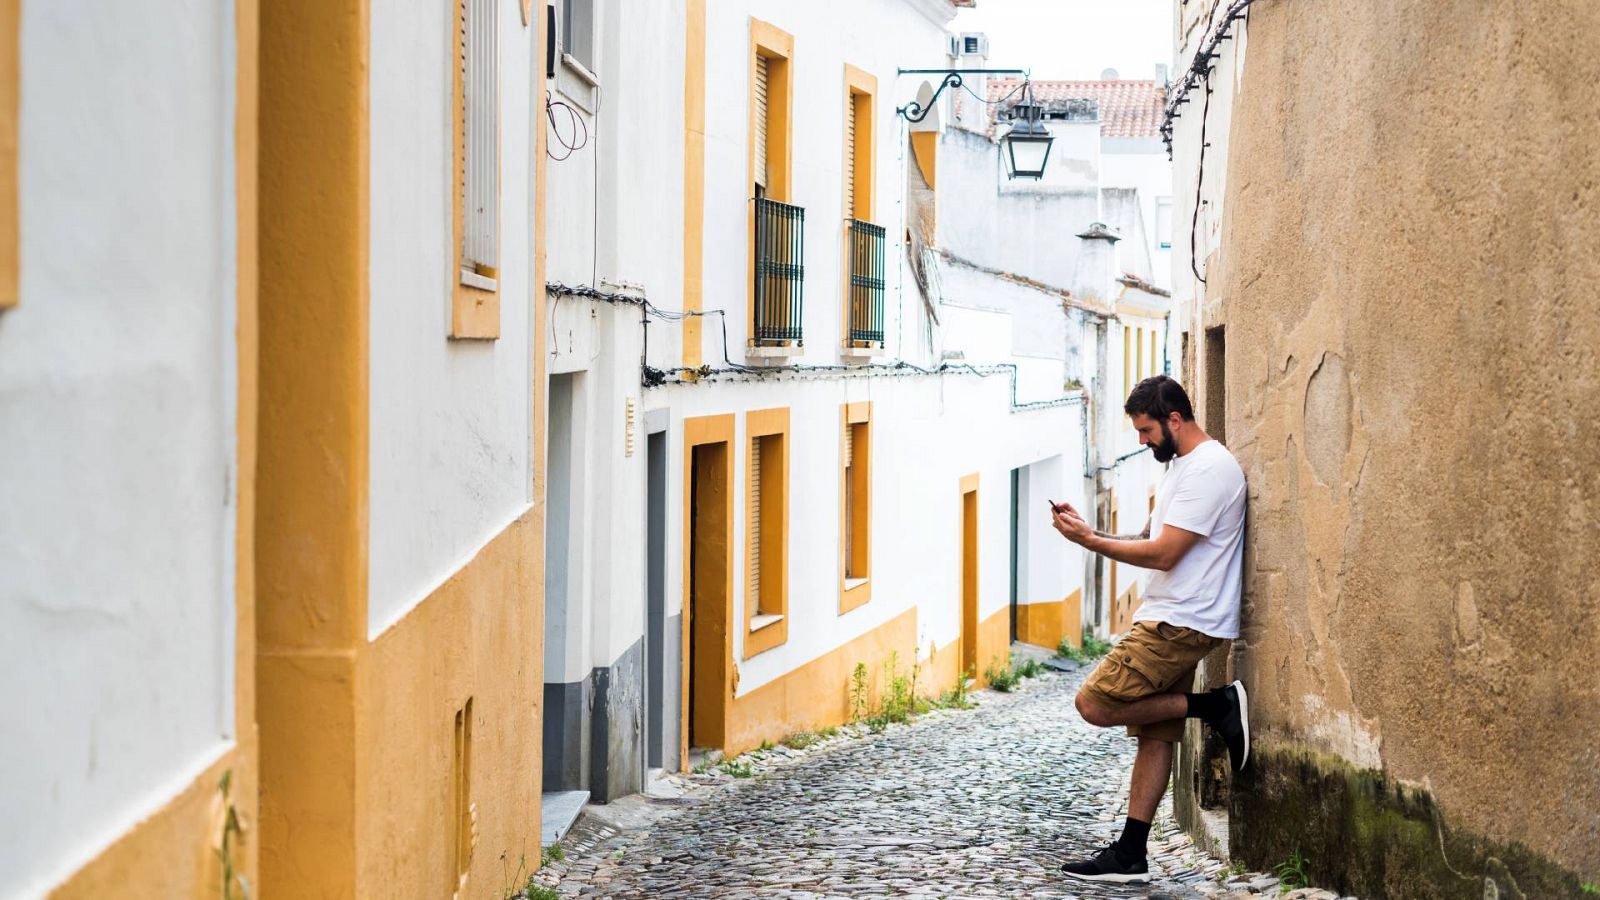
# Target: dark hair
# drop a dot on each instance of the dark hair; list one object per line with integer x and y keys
{"x": 1159, "y": 397}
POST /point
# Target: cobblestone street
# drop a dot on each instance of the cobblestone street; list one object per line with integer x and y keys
{"x": 960, "y": 803}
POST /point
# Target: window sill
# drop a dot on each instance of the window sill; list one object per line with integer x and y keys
{"x": 854, "y": 593}
{"x": 773, "y": 352}
{"x": 764, "y": 620}
{"x": 580, "y": 70}
{"x": 481, "y": 282}
{"x": 853, "y": 354}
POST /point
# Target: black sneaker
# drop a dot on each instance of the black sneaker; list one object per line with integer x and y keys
{"x": 1234, "y": 726}
{"x": 1107, "y": 866}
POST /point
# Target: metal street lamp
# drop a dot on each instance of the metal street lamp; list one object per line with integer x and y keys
{"x": 1026, "y": 147}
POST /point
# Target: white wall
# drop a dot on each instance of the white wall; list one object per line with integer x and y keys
{"x": 450, "y": 420}
{"x": 928, "y": 433}
{"x": 1142, "y": 164}
{"x": 1024, "y": 230}
{"x": 118, "y": 380}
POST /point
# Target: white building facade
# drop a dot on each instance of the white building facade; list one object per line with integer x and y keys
{"x": 785, "y": 454}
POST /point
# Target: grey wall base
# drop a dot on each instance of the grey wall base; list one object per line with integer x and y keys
{"x": 566, "y": 735}
{"x": 594, "y": 736}
{"x": 616, "y": 745}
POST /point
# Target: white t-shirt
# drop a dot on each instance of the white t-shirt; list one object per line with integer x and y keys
{"x": 1203, "y": 493}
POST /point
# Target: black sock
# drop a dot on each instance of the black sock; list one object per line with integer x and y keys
{"x": 1207, "y": 707}
{"x": 1130, "y": 847}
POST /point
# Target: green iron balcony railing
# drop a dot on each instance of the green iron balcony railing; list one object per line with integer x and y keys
{"x": 780, "y": 272}
{"x": 866, "y": 284}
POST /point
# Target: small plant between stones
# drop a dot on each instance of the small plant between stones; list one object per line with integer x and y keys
{"x": 1006, "y": 678}
{"x": 1590, "y": 887}
{"x": 1092, "y": 649}
{"x": 552, "y": 853}
{"x": 1292, "y": 872}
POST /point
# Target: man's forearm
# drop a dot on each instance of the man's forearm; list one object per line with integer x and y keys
{"x": 1134, "y": 550}
{"x": 1120, "y": 537}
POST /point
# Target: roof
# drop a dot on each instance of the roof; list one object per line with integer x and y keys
{"x": 1128, "y": 109}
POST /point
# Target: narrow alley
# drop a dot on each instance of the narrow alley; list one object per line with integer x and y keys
{"x": 986, "y": 802}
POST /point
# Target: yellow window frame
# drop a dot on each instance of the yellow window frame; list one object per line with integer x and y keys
{"x": 763, "y": 425}
{"x": 855, "y": 520}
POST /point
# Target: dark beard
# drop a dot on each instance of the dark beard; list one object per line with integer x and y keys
{"x": 1167, "y": 449}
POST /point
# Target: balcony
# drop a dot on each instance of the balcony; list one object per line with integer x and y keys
{"x": 866, "y": 285}
{"x": 780, "y": 274}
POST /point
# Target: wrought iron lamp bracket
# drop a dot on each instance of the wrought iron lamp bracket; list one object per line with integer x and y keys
{"x": 916, "y": 112}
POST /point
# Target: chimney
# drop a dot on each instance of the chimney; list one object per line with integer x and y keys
{"x": 1161, "y": 75}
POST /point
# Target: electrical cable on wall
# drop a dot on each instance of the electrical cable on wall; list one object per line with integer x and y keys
{"x": 576, "y": 118}
{"x": 1199, "y": 75}
{"x": 730, "y": 370}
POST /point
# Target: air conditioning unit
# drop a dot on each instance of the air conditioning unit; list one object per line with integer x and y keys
{"x": 974, "y": 43}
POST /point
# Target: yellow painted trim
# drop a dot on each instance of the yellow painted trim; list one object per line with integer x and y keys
{"x": 694, "y": 176}
{"x": 1048, "y": 623}
{"x": 472, "y": 638}
{"x": 861, "y": 89}
{"x": 10, "y": 109}
{"x": 858, "y": 413}
{"x": 474, "y": 312}
{"x": 994, "y": 643}
{"x": 716, "y": 689}
{"x": 817, "y": 693}
{"x": 171, "y": 853}
{"x": 774, "y": 43}
{"x": 861, "y": 93}
{"x": 775, "y": 521}
{"x": 312, "y": 487}
{"x": 925, "y": 150}
{"x": 246, "y": 788}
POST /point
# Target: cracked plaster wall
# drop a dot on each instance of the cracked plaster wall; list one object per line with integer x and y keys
{"x": 1408, "y": 272}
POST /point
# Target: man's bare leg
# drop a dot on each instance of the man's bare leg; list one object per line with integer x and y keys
{"x": 1151, "y": 769}
{"x": 1156, "y": 708}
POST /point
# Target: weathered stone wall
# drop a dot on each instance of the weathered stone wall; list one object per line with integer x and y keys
{"x": 1408, "y": 276}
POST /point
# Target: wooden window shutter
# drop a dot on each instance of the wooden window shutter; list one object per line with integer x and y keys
{"x": 850, "y": 156}
{"x": 754, "y": 599}
{"x": 760, "y": 126}
{"x": 480, "y": 160}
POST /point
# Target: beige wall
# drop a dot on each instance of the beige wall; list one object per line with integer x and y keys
{"x": 1408, "y": 269}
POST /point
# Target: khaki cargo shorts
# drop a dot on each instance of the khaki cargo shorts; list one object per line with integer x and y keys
{"x": 1152, "y": 658}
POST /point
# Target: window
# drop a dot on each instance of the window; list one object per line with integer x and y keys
{"x": 577, "y": 32}
{"x": 766, "y": 530}
{"x": 475, "y": 307}
{"x": 864, "y": 280}
{"x": 777, "y": 228}
{"x": 10, "y": 65}
{"x": 1215, "y": 388}
{"x": 860, "y": 113}
{"x": 855, "y": 519}
{"x": 771, "y": 99}
{"x": 1127, "y": 360}
{"x": 1164, "y": 223}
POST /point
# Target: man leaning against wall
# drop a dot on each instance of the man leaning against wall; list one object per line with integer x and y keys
{"x": 1194, "y": 542}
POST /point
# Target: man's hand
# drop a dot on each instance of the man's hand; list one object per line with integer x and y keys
{"x": 1071, "y": 525}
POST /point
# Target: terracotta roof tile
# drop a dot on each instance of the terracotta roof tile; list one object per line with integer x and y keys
{"x": 1128, "y": 109}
